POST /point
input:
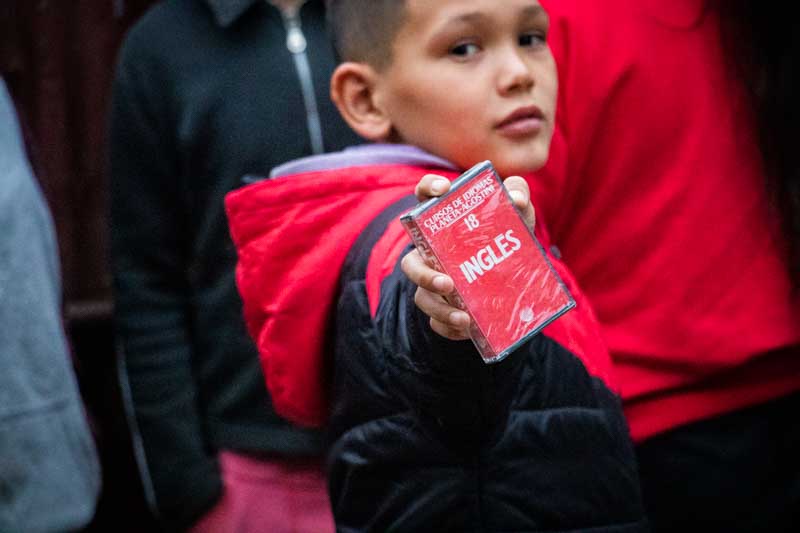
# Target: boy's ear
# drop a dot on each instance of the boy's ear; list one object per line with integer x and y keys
{"x": 353, "y": 91}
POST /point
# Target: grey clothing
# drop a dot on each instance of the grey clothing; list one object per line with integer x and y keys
{"x": 49, "y": 471}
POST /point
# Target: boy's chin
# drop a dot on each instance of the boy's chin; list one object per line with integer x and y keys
{"x": 520, "y": 160}
{"x": 515, "y": 160}
{"x": 518, "y": 168}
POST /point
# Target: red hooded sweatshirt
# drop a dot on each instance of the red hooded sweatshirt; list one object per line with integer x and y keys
{"x": 655, "y": 195}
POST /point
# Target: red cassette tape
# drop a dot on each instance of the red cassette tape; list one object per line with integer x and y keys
{"x": 502, "y": 276}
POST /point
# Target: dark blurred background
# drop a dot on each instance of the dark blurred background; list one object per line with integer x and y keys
{"x": 58, "y": 58}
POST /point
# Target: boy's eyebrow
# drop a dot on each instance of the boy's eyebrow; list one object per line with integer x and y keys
{"x": 468, "y": 17}
{"x": 534, "y": 12}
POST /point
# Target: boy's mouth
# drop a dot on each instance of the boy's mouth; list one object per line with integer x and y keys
{"x": 521, "y": 122}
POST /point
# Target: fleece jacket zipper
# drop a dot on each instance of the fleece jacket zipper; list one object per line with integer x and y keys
{"x": 296, "y": 44}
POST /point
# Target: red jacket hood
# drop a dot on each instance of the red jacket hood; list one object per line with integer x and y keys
{"x": 292, "y": 235}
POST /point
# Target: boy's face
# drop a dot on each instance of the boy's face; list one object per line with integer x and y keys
{"x": 472, "y": 80}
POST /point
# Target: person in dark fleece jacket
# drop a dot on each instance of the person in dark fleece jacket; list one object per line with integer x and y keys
{"x": 425, "y": 436}
{"x": 205, "y": 92}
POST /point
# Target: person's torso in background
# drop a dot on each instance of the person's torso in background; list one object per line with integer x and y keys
{"x": 673, "y": 238}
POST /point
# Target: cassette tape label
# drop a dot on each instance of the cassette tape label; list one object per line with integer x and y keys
{"x": 502, "y": 276}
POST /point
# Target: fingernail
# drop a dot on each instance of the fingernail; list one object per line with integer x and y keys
{"x": 440, "y": 283}
{"x": 438, "y": 186}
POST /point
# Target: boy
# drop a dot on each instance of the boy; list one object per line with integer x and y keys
{"x": 425, "y": 436}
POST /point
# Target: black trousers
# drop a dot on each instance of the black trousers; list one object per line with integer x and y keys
{"x": 736, "y": 473}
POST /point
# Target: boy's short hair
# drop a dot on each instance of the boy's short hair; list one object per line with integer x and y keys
{"x": 364, "y": 30}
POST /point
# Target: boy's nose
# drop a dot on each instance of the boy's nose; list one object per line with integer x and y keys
{"x": 515, "y": 73}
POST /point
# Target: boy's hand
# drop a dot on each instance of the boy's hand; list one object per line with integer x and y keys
{"x": 432, "y": 286}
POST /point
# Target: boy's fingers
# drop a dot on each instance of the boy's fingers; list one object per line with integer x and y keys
{"x": 420, "y": 274}
{"x": 431, "y": 185}
{"x": 436, "y": 307}
{"x": 445, "y": 319}
{"x": 454, "y": 334}
{"x": 521, "y": 196}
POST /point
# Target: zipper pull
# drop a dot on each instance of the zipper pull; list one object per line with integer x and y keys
{"x": 290, "y": 12}
{"x": 295, "y": 40}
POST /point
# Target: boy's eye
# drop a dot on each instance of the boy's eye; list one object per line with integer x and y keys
{"x": 531, "y": 39}
{"x": 465, "y": 49}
